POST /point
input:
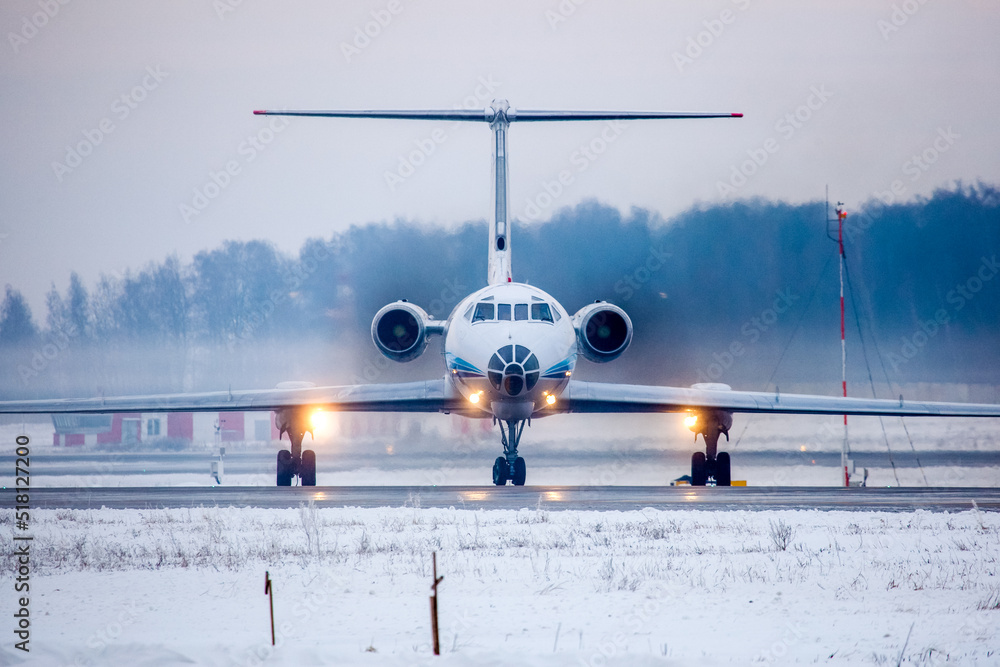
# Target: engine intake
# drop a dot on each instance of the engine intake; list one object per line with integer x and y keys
{"x": 603, "y": 331}
{"x": 400, "y": 330}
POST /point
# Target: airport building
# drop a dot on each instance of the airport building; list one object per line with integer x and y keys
{"x": 186, "y": 428}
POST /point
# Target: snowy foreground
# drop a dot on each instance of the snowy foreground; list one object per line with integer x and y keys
{"x": 533, "y": 587}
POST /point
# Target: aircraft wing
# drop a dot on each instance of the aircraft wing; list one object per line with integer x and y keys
{"x": 427, "y": 396}
{"x": 604, "y": 397}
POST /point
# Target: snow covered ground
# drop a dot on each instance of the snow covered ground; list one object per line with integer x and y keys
{"x": 532, "y": 587}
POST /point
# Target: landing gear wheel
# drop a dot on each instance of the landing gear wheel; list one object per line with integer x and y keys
{"x": 520, "y": 471}
{"x": 285, "y": 468}
{"x": 722, "y": 473}
{"x": 307, "y": 468}
{"x": 500, "y": 471}
{"x": 699, "y": 469}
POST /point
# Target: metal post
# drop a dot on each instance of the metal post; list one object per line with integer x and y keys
{"x": 270, "y": 594}
{"x": 434, "y": 607}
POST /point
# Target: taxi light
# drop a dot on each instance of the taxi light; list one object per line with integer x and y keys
{"x": 690, "y": 421}
{"x": 550, "y": 399}
{"x": 474, "y": 398}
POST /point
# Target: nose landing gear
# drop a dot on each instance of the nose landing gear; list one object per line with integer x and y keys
{"x": 510, "y": 466}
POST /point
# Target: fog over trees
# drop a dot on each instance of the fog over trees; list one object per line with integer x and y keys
{"x": 745, "y": 293}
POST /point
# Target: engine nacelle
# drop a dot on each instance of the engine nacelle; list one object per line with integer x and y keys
{"x": 603, "y": 331}
{"x": 400, "y": 330}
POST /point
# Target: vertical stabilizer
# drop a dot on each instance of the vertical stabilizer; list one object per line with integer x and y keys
{"x": 499, "y": 228}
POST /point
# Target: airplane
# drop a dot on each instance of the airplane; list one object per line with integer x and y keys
{"x": 510, "y": 350}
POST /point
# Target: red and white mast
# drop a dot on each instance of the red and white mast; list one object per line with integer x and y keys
{"x": 844, "y": 463}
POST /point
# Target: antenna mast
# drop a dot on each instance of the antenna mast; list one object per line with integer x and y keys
{"x": 845, "y": 462}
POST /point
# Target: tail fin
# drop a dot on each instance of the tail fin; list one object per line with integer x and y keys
{"x": 499, "y": 115}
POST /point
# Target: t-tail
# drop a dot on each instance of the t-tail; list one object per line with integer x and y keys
{"x": 499, "y": 114}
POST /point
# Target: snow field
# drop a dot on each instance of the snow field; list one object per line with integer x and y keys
{"x": 185, "y": 586}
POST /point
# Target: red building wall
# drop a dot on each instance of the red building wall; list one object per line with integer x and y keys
{"x": 180, "y": 425}
{"x": 114, "y": 436}
{"x": 231, "y": 426}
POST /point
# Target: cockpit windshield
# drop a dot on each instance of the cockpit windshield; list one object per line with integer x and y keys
{"x": 485, "y": 311}
{"x": 541, "y": 311}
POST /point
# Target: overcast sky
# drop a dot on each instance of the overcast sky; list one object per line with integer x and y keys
{"x": 118, "y": 113}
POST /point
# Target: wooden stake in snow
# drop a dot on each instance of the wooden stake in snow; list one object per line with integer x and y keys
{"x": 434, "y": 606}
{"x": 269, "y": 592}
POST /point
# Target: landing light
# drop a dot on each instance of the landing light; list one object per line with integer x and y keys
{"x": 690, "y": 420}
{"x": 318, "y": 420}
{"x": 474, "y": 398}
{"x": 550, "y": 399}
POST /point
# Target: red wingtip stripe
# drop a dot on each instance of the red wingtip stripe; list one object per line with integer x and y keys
{"x": 737, "y": 115}
{"x": 259, "y": 112}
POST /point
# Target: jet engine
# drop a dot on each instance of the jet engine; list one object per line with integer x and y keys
{"x": 400, "y": 330}
{"x": 603, "y": 331}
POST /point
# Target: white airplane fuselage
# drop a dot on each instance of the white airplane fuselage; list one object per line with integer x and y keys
{"x": 510, "y": 350}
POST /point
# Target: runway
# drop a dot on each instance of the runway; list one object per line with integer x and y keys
{"x": 139, "y": 463}
{"x": 551, "y": 498}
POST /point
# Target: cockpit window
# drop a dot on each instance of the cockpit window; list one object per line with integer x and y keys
{"x": 541, "y": 311}
{"x": 484, "y": 311}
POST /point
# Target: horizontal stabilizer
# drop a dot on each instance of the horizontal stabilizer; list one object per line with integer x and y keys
{"x": 445, "y": 114}
{"x": 489, "y": 114}
{"x": 612, "y": 115}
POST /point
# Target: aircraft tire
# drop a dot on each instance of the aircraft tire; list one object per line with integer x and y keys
{"x": 307, "y": 468}
{"x": 723, "y": 476}
{"x": 284, "y": 476}
{"x": 699, "y": 469}
{"x": 500, "y": 471}
{"x": 520, "y": 471}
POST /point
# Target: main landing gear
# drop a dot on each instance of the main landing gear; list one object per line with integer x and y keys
{"x": 510, "y": 466}
{"x": 712, "y": 464}
{"x": 296, "y": 463}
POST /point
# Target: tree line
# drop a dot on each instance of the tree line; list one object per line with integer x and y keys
{"x": 694, "y": 284}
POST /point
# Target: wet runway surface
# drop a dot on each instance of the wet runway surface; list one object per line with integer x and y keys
{"x": 263, "y": 461}
{"x": 514, "y": 498}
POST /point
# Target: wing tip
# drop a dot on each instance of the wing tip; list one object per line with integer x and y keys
{"x": 735, "y": 115}
{"x": 259, "y": 112}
